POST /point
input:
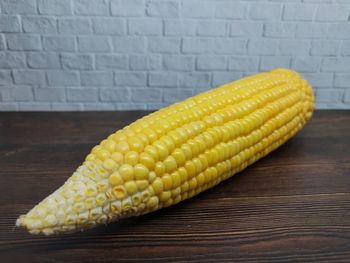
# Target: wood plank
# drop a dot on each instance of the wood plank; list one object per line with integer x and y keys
{"x": 278, "y": 228}
{"x": 293, "y": 205}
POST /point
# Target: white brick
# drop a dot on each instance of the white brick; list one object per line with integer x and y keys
{"x": 306, "y": 64}
{"x": 9, "y": 24}
{"x": 262, "y": 47}
{"x": 146, "y": 95}
{"x": 145, "y": 26}
{"x": 195, "y": 80}
{"x": 347, "y": 96}
{"x": 96, "y": 78}
{"x": 54, "y": 7}
{"x": 345, "y": 49}
{"x": 294, "y": 47}
{"x": 129, "y": 44}
{"x": 74, "y": 25}
{"x": 155, "y": 106}
{"x": 210, "y": 63}
{"x": 62, "y": 78}
{"x": 45, "y": 95}
{"x": 128, "y": 8}
{"x": 231, "y": 10}
{"x": 43, "y": 25}
{"x": 220, "y": 78}
{"x": 115, "y": 94}
{"x": 178, "y": 63}
{"x": 211, "y": 28}
{"x": 243, "y": 63}
{"x": 164, "y": 80}
{"x": 34, "y": 106}
{"x": 197, "y": 45}
{"x": 161, "y": 8}
{"x": 342, "y": 81}
{"x": 279, "y": 30}
{"x": 168, "y": 45}
{"x": 271, "y": 62}
{"x": 266, "y": 11}
{"x": 98, "y": 106}
{"x": 176, "y": 95}
{"x": 82, "y": 94}
{"x": 332, "y": 13}
{"x": 91, "y": 7}
{"x": 8, "y": 106}
{"x": 2, "y": 42}
{"x": 311, "y": 30}
{"x": 93, "y": 44}
{"x": 18, "y": 6}
{"x": 56, "y": 106}
{"x": 29, "y": 77}
{"x": 23, "y": 42}
{"x": 183, "y": 27}
{"x": 197, "y": 9}
{"x": 299, "y": 12}
{"x": 339, "y": 64}
{"x": 19, "y": 93}
{"x": 339, "y": 30}
{"x": 131, "y": 79}
{"x": 58, "y": 43}
{"x": 246, "y": 29}
{"x": 39, "y": 60}
{"x": 76, "y": 61}
{"x": 10, "y": 60}
{"x": 5, "y": 77}
{"x": 109, "y": 26}
{"x": 324, "y": 48}
{"x": 329, "y": 95}
{"x": 144, "y": 62}
{"x": 111, "y": 61}
{"x": 131, "y": 106}
{"x": 319, "y": 80}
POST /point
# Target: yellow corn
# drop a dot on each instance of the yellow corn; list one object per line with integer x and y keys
{"x": 177, "y": 152}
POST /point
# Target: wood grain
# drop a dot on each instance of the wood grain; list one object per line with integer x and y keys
{"x": 293, "y": 205}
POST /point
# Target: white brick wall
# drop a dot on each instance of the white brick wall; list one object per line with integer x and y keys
{"x": 143, "y": 54}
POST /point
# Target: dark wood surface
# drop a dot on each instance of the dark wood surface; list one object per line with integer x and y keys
{"x": 293, "y": 205}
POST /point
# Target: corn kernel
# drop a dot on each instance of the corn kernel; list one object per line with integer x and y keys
{"x": 109, "y": 164}
{"x": 142, "y": 184}
{"x": 131, "y": 187}
{"x": 147, "y": 160}
{"x": 119, "y": 192}
{"x": 157, "y": 186}
{"x": 170, "y": 164}
{"x": 141, "y": 172}
{"x": 167, "y": 182}
{"x": 115, "y": 178}
{"x": 152, "y": 202}
{"x": 127, "y": 172}
{"x": 117, "y": 157}
{"x": 131, "y": 158}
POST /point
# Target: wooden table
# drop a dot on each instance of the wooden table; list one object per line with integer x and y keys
{"x": 293, "y": 205}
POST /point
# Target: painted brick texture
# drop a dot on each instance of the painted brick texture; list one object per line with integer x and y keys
{"x": 74, "y": 55}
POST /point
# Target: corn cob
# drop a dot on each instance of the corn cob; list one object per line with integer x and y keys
{"x": 177, "y": 152}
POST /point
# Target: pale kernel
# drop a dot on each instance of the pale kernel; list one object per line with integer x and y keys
{"x": 119, "y": 192}
{"x": 115, "y": 178}
{"x": 131, "y": 187}
{"x": 142, "y": 184}
{"x": 127, "y": 172}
